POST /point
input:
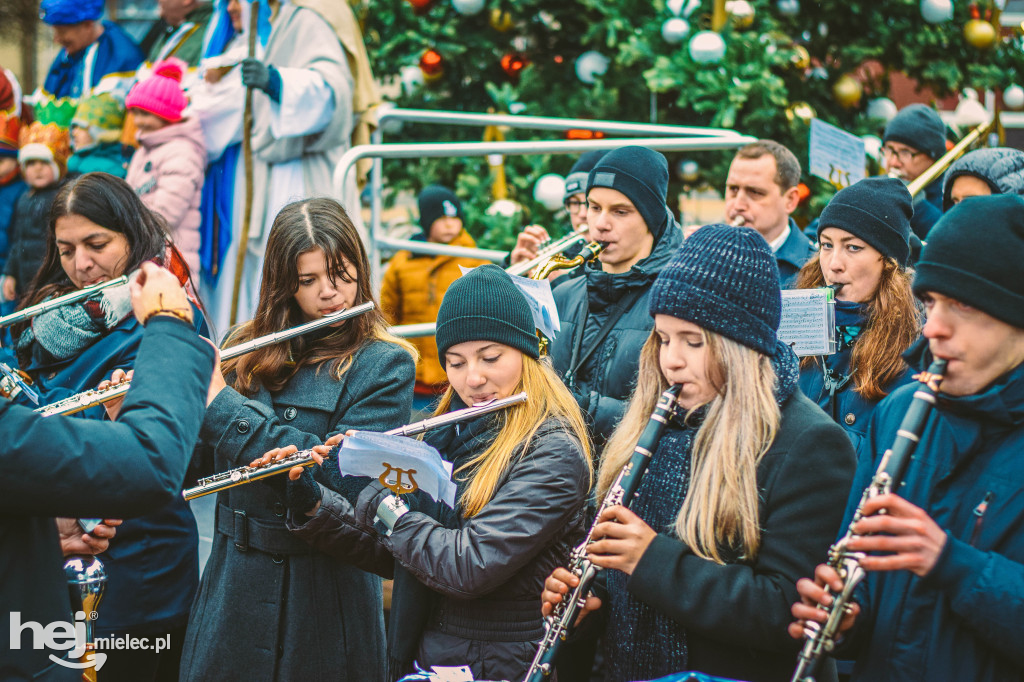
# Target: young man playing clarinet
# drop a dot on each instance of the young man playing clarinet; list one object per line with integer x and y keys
{"x": 944, "y": 594}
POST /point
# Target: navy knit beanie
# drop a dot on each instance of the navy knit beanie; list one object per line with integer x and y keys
{"x": 725, "y": 280}
{"x": 920, "y": 127}
{"x": 485, "y": 305}
{"x": 576, "y": 180}
{"x": 1001, "y": 168}
{"x": 973, "y": 254}
{"x": 642, "y": 175}
{"x": 437, "y": 202}
{"x": 877, "y": 210}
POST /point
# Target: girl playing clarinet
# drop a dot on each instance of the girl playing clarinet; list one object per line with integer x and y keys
{"x": 740, "y": 493}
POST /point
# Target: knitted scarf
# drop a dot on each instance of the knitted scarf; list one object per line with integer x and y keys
{"x": 65, "y": 332}
{"x": 851, "y": 319}
{"x": 641, "y": 642}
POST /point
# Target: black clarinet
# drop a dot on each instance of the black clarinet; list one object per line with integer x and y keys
{"x": 820, "y": 639}
{"x": 559, "y": 625}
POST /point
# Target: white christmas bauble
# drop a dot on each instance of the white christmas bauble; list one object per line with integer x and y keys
{"x": 674, "y": 30}
{"x": 389, "y": 126}
{"x": 936, "y": 11}
{"x": 590, "y": 65}
{"x": 789, "y": 7}
{"x": 872, "y": 146}
{"x": 882, "y": 108}
{"x": 682, "y": 8}
{"x": 549, "y": 190}
{"x": 411, "y": 76}
{"x": 505, "y": 208}
{"x": 1013, "y": 97}
{"x": 689, "y": 170}
{"x": 707, "y": 47}
{"x": 469, "y": 7}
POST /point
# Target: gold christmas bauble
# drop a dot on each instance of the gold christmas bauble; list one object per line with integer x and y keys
{"x": 847, "y": 91}
{"x": 740, "y": 12}
{"x": 980, "y": 33}
{"x": 801, "y": 111}
{"x": 801, "y": 58}
{"x": 501, "y": 21}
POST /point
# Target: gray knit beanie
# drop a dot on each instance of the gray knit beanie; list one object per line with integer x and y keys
{"x": 1002, "y": 169}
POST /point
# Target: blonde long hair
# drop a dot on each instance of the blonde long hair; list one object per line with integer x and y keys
{"x": 548, "y": 398}
{"x": 721, "y": 505}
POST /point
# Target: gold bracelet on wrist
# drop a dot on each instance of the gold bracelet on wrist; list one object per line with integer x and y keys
{"x": 183, "y": 314}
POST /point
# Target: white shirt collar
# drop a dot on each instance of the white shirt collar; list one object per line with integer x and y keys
{"x": 777, "y": 243}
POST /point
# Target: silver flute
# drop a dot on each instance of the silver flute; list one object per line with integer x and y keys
{"x": 548, "y": 250}
{"x": 304, "y": 458}
{"x": 74, "y": 297}
{"x": 97, "y": 396}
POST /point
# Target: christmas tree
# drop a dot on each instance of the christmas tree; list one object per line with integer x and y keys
{"x": 761, "y": 67}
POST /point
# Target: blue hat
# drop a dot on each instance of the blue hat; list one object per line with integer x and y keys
{"x": 642, "y": 175}
{"x": 576, "y": 180}
{"x": 724, "y": 279}
{"x": 66, "y": 12}
{"x": 918, "y": 126}
{"x": 877, "y": 210}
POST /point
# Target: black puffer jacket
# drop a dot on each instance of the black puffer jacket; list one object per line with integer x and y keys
{"x": 607, "y": 377}
{"x": 28, "y": 235}
{"x": 467, "y": 589}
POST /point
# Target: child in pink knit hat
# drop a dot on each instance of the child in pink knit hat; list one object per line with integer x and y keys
{"x": 169, "y": 166}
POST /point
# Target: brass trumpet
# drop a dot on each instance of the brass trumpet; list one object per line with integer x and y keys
{"x": 73, "y": 297}
{"x": 560, "y": 262}
{"x": 548, "y": 251}
{"x": 304, "y": 458}
{"x": 91, "y": 398}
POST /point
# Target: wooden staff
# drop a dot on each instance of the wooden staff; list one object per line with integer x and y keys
{"x": 243, "y": 243}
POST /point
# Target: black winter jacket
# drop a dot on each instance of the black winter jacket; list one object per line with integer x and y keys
{"x": 483, "y": 574}
{"x": 736, "y": 614}
{"x": 606, "y": 379}
{"x": 60, "y": 466}
{"x": 27, "y": 235}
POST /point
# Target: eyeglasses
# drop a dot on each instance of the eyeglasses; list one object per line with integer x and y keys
{"x": 904, "y": 155}
{"x": 574, "y": 206}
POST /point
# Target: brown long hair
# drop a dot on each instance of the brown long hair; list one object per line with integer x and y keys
{"x": 893, "y": 323}
{"x": 319, "y": 223}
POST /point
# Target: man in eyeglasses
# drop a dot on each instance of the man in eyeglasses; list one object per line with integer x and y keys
{"x": 529, "y": 240}
{"x": 914, "y": 139}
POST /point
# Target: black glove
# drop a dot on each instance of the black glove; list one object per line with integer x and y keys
{"x": 303, "y": 494}
{"x": 369, "y": 499}
{"x": 583, "y": 400}
{"x": 255, "y": 74}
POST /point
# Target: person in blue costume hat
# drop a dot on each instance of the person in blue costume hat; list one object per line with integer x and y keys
{"x": 90, "y": 48}
{"x": 864, "y": 235}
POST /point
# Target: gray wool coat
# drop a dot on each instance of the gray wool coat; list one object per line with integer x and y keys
{"x": 269, "y": 606}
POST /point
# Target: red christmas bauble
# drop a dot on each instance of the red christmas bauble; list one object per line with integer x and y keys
{"x": 432, "y": 64}
{"x": 513, "y": 64}
{"x": 420, "y": 6}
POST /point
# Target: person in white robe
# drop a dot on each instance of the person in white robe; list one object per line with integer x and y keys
{"x": 300, "y": 130}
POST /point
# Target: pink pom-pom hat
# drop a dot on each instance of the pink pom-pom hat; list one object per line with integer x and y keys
{"x": 161, "y": 93}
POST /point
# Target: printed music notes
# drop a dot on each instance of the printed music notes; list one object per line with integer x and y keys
{"x": 836, "y": 155}
{"x": 808, "y": 321}
{"x": 366, "y": 453}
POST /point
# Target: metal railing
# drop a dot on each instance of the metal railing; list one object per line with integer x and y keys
{"x": 431, "y": 248}
{"x": 408, "y": 331}
{"x": 655, "y": 136}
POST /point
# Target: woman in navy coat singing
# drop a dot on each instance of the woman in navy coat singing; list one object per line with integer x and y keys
{"x": 268, "y": 600}
{"x": 99, "y": 230}
{"x": 863, "y": 235}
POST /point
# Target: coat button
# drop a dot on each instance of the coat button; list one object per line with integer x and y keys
{"x": 850, "y": 419}
{"x": 278, "y": 509}
{"x": 278, "y": 559}
{"x": 243, "y": 426}
{"x": 290, "y": 413}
